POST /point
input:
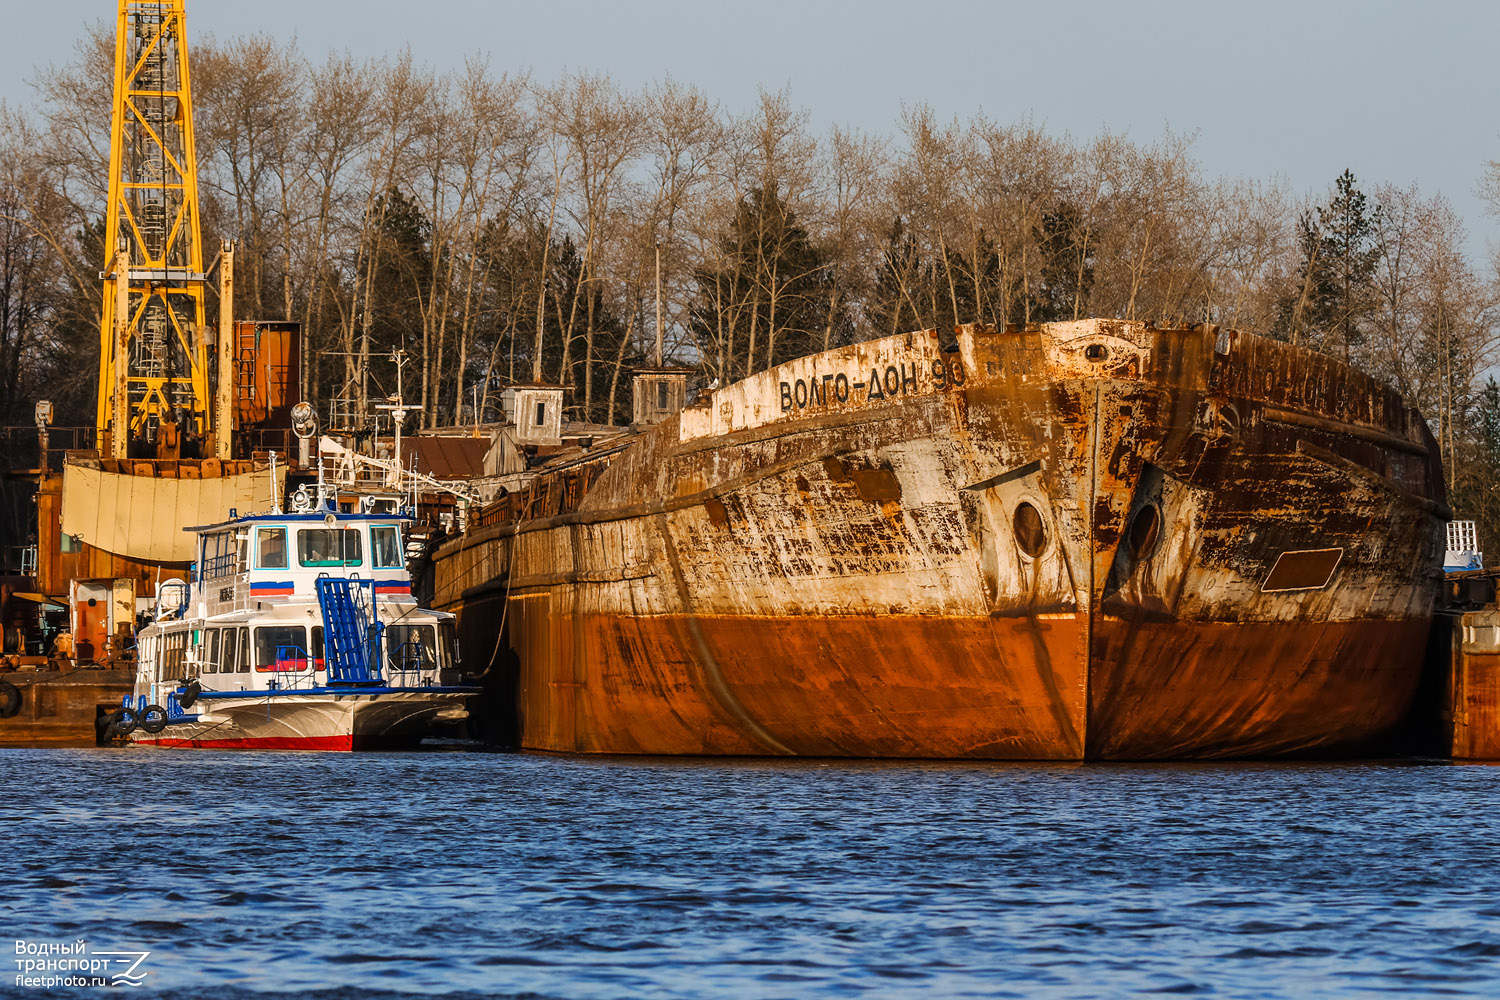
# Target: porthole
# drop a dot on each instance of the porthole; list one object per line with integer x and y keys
{"x": 1144, "y": 531}
{"x": 1096, "y": 352}
{"x": 1031, "y": 531}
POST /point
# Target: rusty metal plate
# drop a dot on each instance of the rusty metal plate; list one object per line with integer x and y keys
{"x": 1303, "y": 569}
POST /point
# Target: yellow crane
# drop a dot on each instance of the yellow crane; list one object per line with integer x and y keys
{"x": 153, "y": 367}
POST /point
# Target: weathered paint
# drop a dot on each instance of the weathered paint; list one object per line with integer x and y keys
{"x": 61, "y": 708}
{"x": 142, "y": 516}
{"x": 83, "y": 561}
{"x": 838, "y": 570}
{"x": 1472, "y": 702}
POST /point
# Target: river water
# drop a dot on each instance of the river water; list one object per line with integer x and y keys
{"x": 459, "y": 874}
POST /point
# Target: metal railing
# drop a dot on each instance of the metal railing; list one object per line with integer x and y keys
{"x": 293, "y": 669}
{"x": 20, "y": 446}
{"x": 240, "y": 598}
{"x": 18, "y": 559}
{"x": 404, "y": 664}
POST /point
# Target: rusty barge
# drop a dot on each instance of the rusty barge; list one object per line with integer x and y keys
{"x": 1084, "y": 540}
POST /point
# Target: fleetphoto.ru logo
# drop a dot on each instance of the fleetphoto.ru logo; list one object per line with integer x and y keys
{"x": 50, "y": 965}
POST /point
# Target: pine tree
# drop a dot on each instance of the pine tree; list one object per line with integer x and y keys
{"x": 1067, "y": 265}
{"x": 1330, "y": 304}
{"x": 765, "y": 297}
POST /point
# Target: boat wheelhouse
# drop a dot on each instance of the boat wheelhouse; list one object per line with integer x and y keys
{"x": 298, "y": 631}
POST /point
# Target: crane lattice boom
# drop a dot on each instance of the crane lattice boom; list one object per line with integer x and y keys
{"x": 153, "y": 372}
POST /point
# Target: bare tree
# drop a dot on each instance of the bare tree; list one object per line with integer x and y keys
{"x": 680, "y": 136}
{"x": 854, "y": 165}
{"x": 495, "y": 147}
{"x": 401, "y": 87}
{"x": 340, "y": 129}
{"x": 603, "y": 132}
{"x": 249, "y": 99}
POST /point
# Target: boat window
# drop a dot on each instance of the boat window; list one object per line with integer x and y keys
{"x": 450, "y": 644}
{"x": 317, "y": 646}
{"x": 281, "y": 647}
{"x": 221, "y": 555}
{"x": 270, "y": 548}
{"x": 385, "y": 545}
{"x": 209, "y": 657}
{"x": 1031, "y": 531}
{"x": 410, "y": 647}
{"x": 329, "y": 547}
{"x": 174, "y": 655}
{"x": 167, "y": 669}
{"x": 237, "y": 649}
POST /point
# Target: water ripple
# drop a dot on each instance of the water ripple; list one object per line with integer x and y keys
{"x": 465, "y": 875}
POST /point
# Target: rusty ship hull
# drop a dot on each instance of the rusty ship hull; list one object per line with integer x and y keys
{"x": 62, "y": 708}
{"x": 1091, "y": 540}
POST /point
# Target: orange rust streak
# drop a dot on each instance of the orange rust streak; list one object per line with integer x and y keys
{"x": 1475, "y": 697}
{"x": 1205, "y": 689}
{"x": 889, "y": 686}
{"x": 1003, "y": 688}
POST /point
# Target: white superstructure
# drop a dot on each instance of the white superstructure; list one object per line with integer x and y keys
{"x": 299, "y": 631}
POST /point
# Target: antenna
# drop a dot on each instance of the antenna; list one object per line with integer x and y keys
{"x": 658, "y": 305}
{"x": 275, "y": 499}
{"x": 398, "y": 413}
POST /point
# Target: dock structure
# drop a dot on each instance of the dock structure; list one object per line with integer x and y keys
{"x": 58, "y": 707}
{"x": 1463, "y": 663}
{"x": 1473, "y": 690}
{"x": 1459, "y": 717}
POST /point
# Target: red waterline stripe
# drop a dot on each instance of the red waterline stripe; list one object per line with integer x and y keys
{"x": 262, "y": 743}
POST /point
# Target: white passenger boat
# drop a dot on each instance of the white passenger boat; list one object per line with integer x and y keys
{"x": 298, "y": 631}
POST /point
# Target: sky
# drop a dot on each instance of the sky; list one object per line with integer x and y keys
{"x": 1403, "y": 93}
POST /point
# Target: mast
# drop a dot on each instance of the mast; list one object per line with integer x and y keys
{"x": 658, "y": 305}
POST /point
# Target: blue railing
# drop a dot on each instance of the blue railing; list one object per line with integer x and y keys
{"x": 351, "y": 630}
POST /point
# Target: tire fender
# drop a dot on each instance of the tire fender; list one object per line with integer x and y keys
{"x": 10, "y": 699}
{"x": 154, "y": 719}
{"x": 123, "y": 721}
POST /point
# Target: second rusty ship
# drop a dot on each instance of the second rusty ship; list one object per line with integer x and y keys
{"x": 1085, "y": 540}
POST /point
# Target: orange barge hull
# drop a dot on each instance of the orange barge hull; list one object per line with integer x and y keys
{"x": 1094, "y": 540}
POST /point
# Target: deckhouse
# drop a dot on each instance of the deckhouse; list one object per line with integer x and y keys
{"x": 266, "y": 558}
{"x": 295, "y": 601}
{"x": 298, "y": 630}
